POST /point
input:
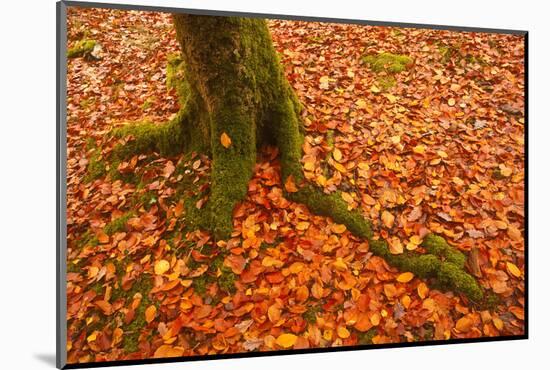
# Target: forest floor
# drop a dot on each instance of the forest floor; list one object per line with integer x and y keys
{"x": 433, "y": 144}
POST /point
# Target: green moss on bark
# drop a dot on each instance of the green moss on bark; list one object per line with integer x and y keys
{"x": 436, "y": 245}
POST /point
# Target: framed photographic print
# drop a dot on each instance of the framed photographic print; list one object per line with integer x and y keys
{"x": 234, "y": 184}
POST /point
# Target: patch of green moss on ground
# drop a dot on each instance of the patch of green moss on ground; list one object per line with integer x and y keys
{"x": 226, "y": 281}
{"x": 119, "y": 224}
{"x": 311, "y": 314}
{"x": 143, "y": 285}
{"x": 148, "y": 103}
{"x": 81, "y": 48}
{"x": 387, "y": 62}
{"x": 386, "y": 82}
{"x": 366, "y": 337}
{"x": 87, "y": 239}
{"x": 453, "y": 53}
{"x": 200, "y": 284}
{"x": 96, "y": 166}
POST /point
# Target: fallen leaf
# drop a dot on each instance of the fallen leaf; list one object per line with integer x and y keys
{"x": 464, "y": 324}
{"x": 405, "y": 277}
{"x": 290, "y": 186}
{"x": 161, "y": 267}
{"x": 513, "y": 269}
{"x": 225, "y": 140}
{"x": 338, "y": 228}
{"x": 387, "y": 219}
{"x": 286, "y": 340}
{"x": 150, "y": 313}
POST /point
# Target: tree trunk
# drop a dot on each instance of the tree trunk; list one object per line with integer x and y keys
{"x": 233, "y": 84}
{"x": 234, "y": 75}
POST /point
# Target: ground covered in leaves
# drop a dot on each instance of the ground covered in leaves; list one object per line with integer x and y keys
{"x": 421, "y": 130}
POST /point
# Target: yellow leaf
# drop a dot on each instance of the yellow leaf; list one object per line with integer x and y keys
{"x": 375, "y": 89}
{"x": 405, "y": 277}
{"x": 442, "y": 154}
{"x": 274, "y": 313}
{"x": 168, "y": 351}
{"x": 92, "y": 271}
{"x": 388, "y": 219}
{"x": 323, "y": 82}
{"x": 225, "y": 140}
{"x": 361, "y": 103}
{"x": 390, "y": 290}
{"x": 286, "y": 340}
{"x": 395, "y": 139}
{"x": 161, "y": 267}
{"x": 419, "y": 149}
{"x": 343, "y": 332}
{"x": 338, "y": 228}
{"x": 303, "y": 225}
{"x": 406, "y": 301}
{"x": 150, "y": 313}
{"x": 339, "y": 167}
{"x": 296, "y": 267}
{"x": 347, "y": 197}
{"x": 92, "y": 336}
{"x": 396, "y": 247}
{"x": 337, "y": 154}
{"x": 505, "y": 171}
{"x": 513, "y": 269}
{"x": 327, "y": 334}
{"x": 339, "y": 264}
{"x": 499, "y": 324}
{"x": 270, "y": 261}
{"x": 363, "y": 165}
{"x": 422, "y": 290}
{"x": 375, "y": 319}
{"x": 391, "y": 98}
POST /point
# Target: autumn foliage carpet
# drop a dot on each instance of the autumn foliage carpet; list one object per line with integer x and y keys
{"x": 435, "y": 147}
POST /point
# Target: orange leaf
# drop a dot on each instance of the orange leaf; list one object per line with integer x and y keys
{"x": 388, "y": 219}
{"x": 236, "y": 263}
{"x": 290, "y": 186}
{"x": 168, "y": 351}
{"x": 338, "y": 228}
{"x": 274, "y": 313}
{"x": 464, "y": 324}
{"x": 150, "y": 313}
{"x": 302, "y": 293}
{"x": 225, "y": 140}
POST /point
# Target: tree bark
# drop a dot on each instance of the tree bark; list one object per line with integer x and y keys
{"x": 233, "y": 84}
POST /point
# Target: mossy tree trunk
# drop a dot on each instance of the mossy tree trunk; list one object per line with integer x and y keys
{"x": 233, "y": 84}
